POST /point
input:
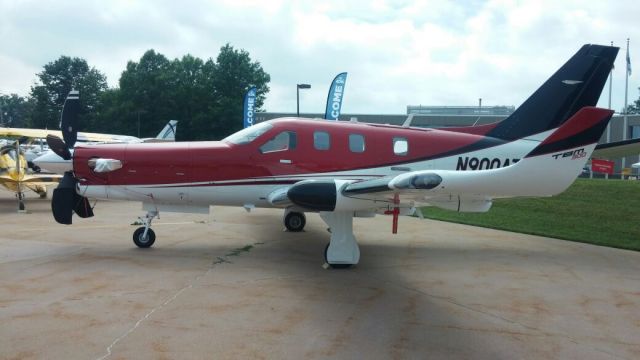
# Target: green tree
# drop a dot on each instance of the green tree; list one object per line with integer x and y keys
{"x": 56, "y": 80}
{"x": 145, "y": 94}
{"x": 192, "y": 96}
{"x": 205, "y": 96}
{"x": 635, "y": 107}
{"x": 234, "y": 74}
{"x": 15, "y": 111}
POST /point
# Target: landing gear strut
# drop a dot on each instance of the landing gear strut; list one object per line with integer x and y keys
{"x": 21, "y": 207}
{"x": 294, "y": 221}
{"x": 342, "y": 251}
{"x": 144, "y": 237}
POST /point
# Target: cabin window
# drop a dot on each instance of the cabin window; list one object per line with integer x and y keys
{"x": 286, "y": 140}
{"x": 400, "y": 146}
{"x": 321, "y": 140}
{"x": 356, "y": 143}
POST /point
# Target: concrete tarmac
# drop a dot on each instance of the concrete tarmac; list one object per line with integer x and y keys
{"x": 233, "y": 285}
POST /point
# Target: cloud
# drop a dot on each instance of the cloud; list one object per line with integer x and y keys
{"x": 396, "y": 52}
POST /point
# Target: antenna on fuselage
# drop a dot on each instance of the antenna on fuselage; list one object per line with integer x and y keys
{"x": 407, "y": 123}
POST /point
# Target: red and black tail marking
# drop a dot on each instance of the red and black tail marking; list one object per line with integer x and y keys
{"x": 584, "y": 128}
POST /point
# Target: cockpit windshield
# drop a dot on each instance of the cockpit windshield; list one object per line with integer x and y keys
{"x": 249, "y": 134}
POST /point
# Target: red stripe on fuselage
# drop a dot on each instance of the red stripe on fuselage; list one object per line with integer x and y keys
{"x": 190, "y": 162}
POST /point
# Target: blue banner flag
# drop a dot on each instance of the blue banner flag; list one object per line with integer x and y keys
{"x": 334, "y": 99}
{"x": 249, "y": 105}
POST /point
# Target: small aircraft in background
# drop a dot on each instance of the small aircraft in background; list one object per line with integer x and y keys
{"x": 343, "y": 170}
{"x": 14, "y": 174}
{"x": 51, "y": 162}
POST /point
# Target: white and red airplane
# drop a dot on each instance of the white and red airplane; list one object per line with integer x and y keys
{"x": 343, "y": 170}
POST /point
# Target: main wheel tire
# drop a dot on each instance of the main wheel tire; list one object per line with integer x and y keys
{"x": 143, "y": 241}
{"x": 295, "y": 221}
{"x": 334, "y": 266}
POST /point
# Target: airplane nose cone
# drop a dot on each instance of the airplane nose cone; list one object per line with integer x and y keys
{"x": 51, "y": 162}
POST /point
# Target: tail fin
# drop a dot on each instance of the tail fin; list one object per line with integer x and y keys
{"x": 168, "y": 133}
{"x": 577, "y": 84}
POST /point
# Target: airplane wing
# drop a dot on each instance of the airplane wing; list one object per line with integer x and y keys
{"x": 51, "y": 179}
{"x": 105, "y": 138}
{"x": 167, "y": 134}
{"x": 425, "y": 188}
{"x": 82, "y": 136}
{"x": 32, "y": 179}
{"x": 33, "y": 182}
{"x": 29, "y": 133}
{"x": 617, "y": 149}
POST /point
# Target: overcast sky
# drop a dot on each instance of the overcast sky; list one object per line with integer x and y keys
{"x": 395, "y": 52}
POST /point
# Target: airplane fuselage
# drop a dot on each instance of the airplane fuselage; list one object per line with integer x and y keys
{"x": 191, "y": 176}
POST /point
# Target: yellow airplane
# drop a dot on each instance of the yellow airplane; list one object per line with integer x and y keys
{"x": 14, "y": 174}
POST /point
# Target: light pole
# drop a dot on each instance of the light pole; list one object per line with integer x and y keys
{"x": 140, "y": 111}
{"x": 298, "y": 87}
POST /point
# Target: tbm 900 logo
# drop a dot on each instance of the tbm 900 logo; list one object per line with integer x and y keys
{"x": 575, "y": 154}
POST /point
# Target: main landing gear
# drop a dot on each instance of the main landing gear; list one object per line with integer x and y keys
{"x": 342, "y": 251}
{"x": 294, "y": 221}
{"x": 20, "y": 196}
{"x": 144, "y": 237}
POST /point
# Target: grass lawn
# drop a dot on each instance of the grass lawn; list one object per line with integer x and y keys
{"x": 602, "y": 212}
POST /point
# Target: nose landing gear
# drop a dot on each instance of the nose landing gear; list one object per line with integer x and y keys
{"x": 144, "y": 237}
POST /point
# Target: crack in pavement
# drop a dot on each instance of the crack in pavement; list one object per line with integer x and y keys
{"x": 170, "y": 299}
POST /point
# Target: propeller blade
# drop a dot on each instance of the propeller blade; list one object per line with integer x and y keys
{"x": 63, "y": 200}
{"x": 82, "y": 206}
{"x": 58, "y": 146}
{"x": 66, "y": 201}
{"x": 69, "y": 118}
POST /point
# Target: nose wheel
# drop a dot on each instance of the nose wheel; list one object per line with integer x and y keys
{"x": 143, "y": 240}
{"x": 144, "y": 237}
